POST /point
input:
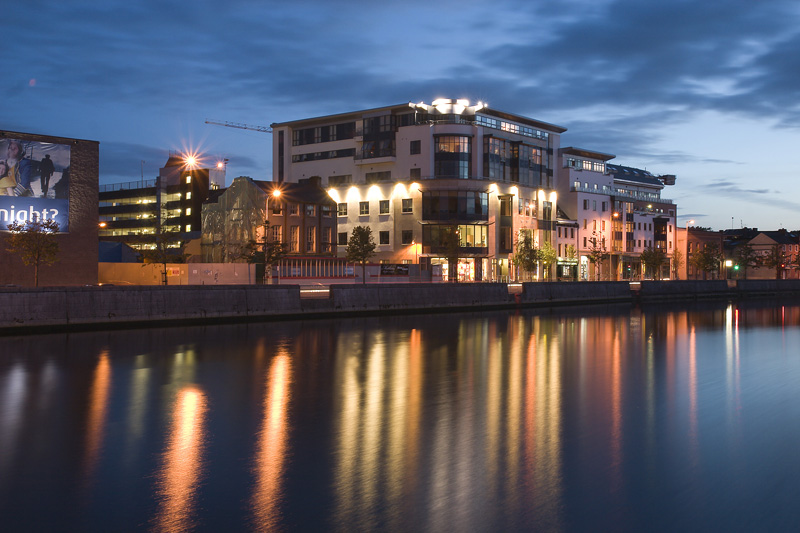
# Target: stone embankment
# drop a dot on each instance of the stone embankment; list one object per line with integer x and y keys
{"x": 34, "y": 310}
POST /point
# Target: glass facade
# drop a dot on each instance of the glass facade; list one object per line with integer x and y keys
{"x": 452, "y": 156}
{"x": 455, "y": 205}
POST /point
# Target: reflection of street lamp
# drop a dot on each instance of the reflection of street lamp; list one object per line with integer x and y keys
{"x": 615, "y": 219}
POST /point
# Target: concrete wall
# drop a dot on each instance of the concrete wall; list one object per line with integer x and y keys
{"x": 119, "y": 305}
{"x": 685, "y": 289}
{"x": 418, "y": 296}
{"x": 575, "y": 291}
{"x": 177, "y": 274}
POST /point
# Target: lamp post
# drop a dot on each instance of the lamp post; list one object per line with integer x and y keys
{"x": 276, "y": 193}
{"x": 686, "y": 251}
{"x": 614, "y": 221}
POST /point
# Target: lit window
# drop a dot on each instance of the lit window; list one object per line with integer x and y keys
{"x": 188, "y": 227}
{"x": 188, "y": 195}
{"x": 383, "y": 207}
{"x": 188, "y": 210}
{"x": 188, "y": 178}
{"x": 341, "y": 210}
{"x": 363, "y": 208}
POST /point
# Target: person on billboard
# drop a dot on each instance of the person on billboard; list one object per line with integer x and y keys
{"x": 7, "y": 182}
{"x": 19, "y": 168}
{"x": 46, "y": 169}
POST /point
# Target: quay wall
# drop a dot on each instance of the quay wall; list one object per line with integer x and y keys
{"x": 45, "y": 309}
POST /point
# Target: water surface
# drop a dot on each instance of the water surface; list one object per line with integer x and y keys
{"x": 598, "y": 419}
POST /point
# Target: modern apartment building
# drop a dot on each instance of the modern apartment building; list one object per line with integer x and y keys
{"x": 133, "y": 212}
{"x": 619, "y": 212}
{"x": 415, "y": 173}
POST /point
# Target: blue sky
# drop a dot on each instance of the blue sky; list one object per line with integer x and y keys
{"x": 709, "y": 91}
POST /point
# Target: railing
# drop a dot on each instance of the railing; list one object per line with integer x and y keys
{"x": 128, "y": 185}
{"x": 646, "y": 196}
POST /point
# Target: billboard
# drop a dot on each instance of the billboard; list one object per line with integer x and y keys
{"x": 34, "y": 182}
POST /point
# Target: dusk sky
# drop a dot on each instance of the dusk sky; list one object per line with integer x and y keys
{"x": 708, "y": 91}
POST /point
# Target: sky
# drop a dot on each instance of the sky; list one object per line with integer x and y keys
{"x": 708, "y": 91}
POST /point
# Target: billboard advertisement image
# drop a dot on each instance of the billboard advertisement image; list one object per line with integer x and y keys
{"x": 34, "y": 182}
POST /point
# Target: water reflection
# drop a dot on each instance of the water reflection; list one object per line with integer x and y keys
{"x": 272, "y": 444}
{"x": 98, "y": 406}
{"x": 181, "y": 463}
{"x": 565, "y": 420}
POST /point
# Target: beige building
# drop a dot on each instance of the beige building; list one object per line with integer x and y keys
{"x": 414, "y": 172}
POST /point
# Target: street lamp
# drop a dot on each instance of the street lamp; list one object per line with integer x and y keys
{"x": 276, "y": 193}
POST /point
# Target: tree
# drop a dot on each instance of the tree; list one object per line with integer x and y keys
{"x": 653, "y": 260}
{"x": 34, "y": 241}
{"x": 360, "y": 247}
{"x": 746, "y": 257}
{"x": 272, "y": 252}
{"x": 677, "y": 262}
{"x": 707, "y": 260}
{"x": 167, "y": 249}
{"x": 597, "y": 253}
{"x": 451, "y": 249}
{"x": 776, "y": 258}
{"x": 526, "y": 255}
{"x": 548, "y": 256}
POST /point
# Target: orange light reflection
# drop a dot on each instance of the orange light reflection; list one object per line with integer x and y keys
{"x": 181, "y": 470}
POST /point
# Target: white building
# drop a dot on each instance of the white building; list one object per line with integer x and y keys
{"x": 415, "y": 172}
{"x": 619, "y": 211}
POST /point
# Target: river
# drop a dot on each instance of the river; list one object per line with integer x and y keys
{"x": 606, "y": 418}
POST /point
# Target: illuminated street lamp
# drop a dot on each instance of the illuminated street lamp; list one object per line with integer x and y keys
{"x": 617, "y": 267}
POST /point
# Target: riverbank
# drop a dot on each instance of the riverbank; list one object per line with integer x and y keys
{"x": 48, "y": 309}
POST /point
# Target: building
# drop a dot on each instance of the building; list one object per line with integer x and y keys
{"x": 692, "y": 240}
{"x": 64, "y": 190}
{"x": 302, "y": 215}
{"x": 135, "y": 212}
{"x": 415, "y": 173}
{"x": 619, "y": 212}
{"x": 769, "y": 246}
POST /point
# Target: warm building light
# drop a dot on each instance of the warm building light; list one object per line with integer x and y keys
{"x": 353, "y": 194}
{"x": 276, "y": 193}
{"x": 514, "y": 190}
{"x": 220, "y": 164}
{"x": 493, "y": 188}
{"x": 191, "y": 161}
{"x": 400, "y": 191}
{"x": 374, "y": 193}
{"x": 615, "y": 214}
{"x": 541, "y": 195}
{"x": 333, "y": 193}
{"x": 553, "y": 197}
{"x": 414, "y": 186}
{"x": 103, "y": 224}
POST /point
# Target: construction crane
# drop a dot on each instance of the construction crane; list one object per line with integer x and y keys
{"x": 262, "y": 129}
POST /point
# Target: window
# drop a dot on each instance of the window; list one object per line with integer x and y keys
{"x": 452, "y": 157}
{"x": 584, "y": 223}
{"x": 188, "y": 210}
{"x": 341, "y": 209}
{"x": 586, "y": 204}
{"x": 363, "y": 208}
{"x": 189, "y": 195}
{"x": 333, "y": 181}
{"x": 311, "y": 239}
{"x": 383, "y": 207}
{"x": 376, "y": 177}
{"x": 342, "y": 238}
{"x": 188, "y": 178}
{"x": 383, "y": 237}
{"x": 407, "y": 236}
{"x": 408, "y": 205}
{"x": 294, "y": 239}
{"x": 594, "y": 205}
{"x": 584, "y": 242}
{"x": 188, "y": 227}
{"x": 311, "y": 210}
{"x": 326, "y": 210}
{"x": 603, "y": 226}
{"x": 605, "y": 206}
{"x": 276, "y": 233}
{"x": 293, "y": 209}
{"x": 415, "y": 173}
{"x": 416, "y": 147}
